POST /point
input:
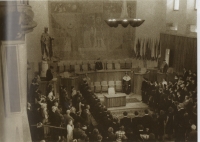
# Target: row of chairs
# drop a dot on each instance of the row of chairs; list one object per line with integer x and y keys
{"x": 99, "y": 87}
{"x": 82, "y": 62}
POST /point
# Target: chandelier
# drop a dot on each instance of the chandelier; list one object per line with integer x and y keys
{"x": 124, "y": 19}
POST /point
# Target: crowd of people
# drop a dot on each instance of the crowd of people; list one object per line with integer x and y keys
{"x": 80, "y": 116}
{"x": 174, "y": 106}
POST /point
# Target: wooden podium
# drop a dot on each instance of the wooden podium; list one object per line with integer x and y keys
{"x": 69, "y": 82}
{"x": 138, "y": 78}
{"x": 115, "y": 100}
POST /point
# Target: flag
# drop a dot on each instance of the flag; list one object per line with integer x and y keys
{"x": 138, "y": 49}
{"x": 159, "y": 50}
{"x": 134, "y": 48}
{"x": 153, "y": 49}
{"x": 141, "y": 48}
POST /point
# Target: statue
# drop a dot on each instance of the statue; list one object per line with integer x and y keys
{"x": 46, "y": 45}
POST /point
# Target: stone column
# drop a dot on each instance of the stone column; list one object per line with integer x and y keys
{"x": 14, "y": 61}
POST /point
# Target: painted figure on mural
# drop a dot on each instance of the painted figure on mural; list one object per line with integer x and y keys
{"x": 127, "y": 84}
{"x": 46, "y": 45}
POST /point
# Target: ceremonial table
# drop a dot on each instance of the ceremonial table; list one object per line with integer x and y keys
{"x": 115, "y": 100}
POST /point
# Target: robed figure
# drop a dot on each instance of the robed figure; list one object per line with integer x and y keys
{"x": 46, "y": 45}
{"x": 127, "y": 84}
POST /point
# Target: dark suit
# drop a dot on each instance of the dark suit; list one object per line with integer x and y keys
{"x": 185, "y": 75}
{"x": 147, "y": 121}
{"x": 98, "y": 65}
{"x": 126, "y": 122}
{"x": 49, "y": 75}
{"x": 135, "y": 122}
{"x": 77, "y": 133}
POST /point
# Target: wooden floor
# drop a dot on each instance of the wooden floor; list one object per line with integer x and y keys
{"x": 130, "y": 107}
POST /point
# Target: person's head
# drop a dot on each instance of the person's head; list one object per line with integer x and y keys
{"x": 146, "y": 111}
{"x": 67, "y": 112}
{"x": 45, "y": 29}
{"x": 193, "y": 127}
{"x": 95, "y": 131}
{"x": 110, "y": 129}
{"x": 125, "y": 113}
{"x": 121, "y": 128}
{"x": 136, "y": 113}
{"x": 70, "y": 122}
{"x": 187, "y": 97}
{"x": 140, "y": 127}
{"x": 99, "y": 138}
{"x": 56, "y": 104}
{"x": 180, "y": 106}
{"x": 88, "y": 107}
{"x": 73, "y": 109}
{"x": 54, "y": 108}
{"x": 51, "y": 67}
{"x": 78, "y": 125}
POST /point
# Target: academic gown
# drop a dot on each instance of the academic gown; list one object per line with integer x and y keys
{"x": 127, "y": 84}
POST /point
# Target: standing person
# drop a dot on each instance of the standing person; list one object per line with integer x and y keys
{"x": 70, "y": 128}
{"x": 127, "y": 84}
{"x": 46, "y": 45}
{"x": 49, "y": 74}
{"x": 185, "y": 74}
{"x": 144, "y": 89}
{"x": 161, "y": 124}
{"x": 98, "y": 65}
{"x": 164, "y": 67}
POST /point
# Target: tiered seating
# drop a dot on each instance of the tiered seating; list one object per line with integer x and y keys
{"x": 77, "y": 68}
{"x": 87, "y": 65}
{"x": 97, "y": 87}
{"x": 122, "y": 64}
{"x": 128, "y": 63}
{"x": 104, "y": 86}
{"x": 92, "y": 65}
{"x": 111, "y": 83}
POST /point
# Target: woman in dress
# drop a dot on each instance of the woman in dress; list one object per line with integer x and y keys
{"x": 127, "y": 84}
{"x": 70, "y": 128}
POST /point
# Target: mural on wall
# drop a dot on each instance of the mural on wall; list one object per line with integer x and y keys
{"x": 79, "y": 27}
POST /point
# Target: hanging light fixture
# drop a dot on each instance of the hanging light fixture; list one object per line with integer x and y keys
{"x": 124, "y": 19}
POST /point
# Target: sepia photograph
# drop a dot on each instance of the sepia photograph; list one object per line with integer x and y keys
{"x": 98, "y": 71}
